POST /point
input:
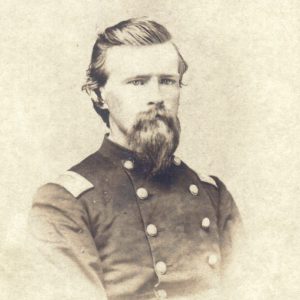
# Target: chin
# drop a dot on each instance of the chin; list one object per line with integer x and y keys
{"x": 155, "y": 147}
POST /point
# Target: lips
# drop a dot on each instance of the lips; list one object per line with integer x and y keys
{"x": 160, "y": 117}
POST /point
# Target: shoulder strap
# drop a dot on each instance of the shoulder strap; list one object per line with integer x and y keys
{"x": 74, "y": 183}
{"x": 207, "y": 179}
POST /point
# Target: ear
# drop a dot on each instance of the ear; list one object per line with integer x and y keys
{"x": 100, "y": 101}
{"x": 103, "y": 97}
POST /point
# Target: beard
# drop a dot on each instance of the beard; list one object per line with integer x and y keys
{"x": 155, "y": 137}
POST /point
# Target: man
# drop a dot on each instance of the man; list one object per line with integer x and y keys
{"x": 134, "y": 219}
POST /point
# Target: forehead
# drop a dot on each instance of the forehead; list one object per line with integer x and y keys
{"x": 123, "y": 61}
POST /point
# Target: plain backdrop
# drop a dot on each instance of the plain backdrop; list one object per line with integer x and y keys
{"x": 239, "y": 114}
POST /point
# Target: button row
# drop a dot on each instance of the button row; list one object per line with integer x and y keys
{"x": 161, "y": 269}
{"x": 152, "y": 229}
{"x": 129, "y": 164}
{"x": 142, "y": 193}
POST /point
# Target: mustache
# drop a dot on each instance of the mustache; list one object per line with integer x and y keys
{"x": 151, "y": 116}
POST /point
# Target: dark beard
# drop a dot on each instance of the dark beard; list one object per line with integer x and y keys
{"x": 155, "y": 137}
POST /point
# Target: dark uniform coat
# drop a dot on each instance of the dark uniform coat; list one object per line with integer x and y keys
{"x": 132, "y": 236}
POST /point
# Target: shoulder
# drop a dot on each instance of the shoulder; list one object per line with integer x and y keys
{"x": 56, "y": 204}
{"x": 67, "y": 186}
{"x": 221, "y": 197}
{"x": 74, "y": 183}
{"x": 215, "y": 187}
{"x": 204, "y": 178}
{"x": 207, "y": 179}
{"x": 212, "y": 181}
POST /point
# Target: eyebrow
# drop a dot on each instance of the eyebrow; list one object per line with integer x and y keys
{"x": 146, "y": 76}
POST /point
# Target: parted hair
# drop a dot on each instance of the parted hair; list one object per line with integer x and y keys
{"x": 134, "y": 32}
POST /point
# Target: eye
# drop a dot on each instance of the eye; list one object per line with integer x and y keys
{"x": 137, "y": 82}
{"x": 168, "y": 81}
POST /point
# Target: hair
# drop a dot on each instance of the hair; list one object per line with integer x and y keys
{"x": 155, "y": 137}
{"x": 134, "y": 32}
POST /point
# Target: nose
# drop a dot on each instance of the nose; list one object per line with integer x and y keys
{"x": 155, "y": 94}
{"x": 158, "y": 104}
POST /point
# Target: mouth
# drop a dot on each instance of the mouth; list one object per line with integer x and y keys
{"x": 160, "y": 113}
{"x": 159, "y": 116}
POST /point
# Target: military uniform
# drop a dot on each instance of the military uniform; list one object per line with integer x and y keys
{"x": 137, "y": 237}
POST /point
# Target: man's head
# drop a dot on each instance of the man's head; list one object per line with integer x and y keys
{"x": 136, "y": 73}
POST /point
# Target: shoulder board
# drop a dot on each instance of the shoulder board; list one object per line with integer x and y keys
{"x": 207, "y": 179}
{"x": 74, "y": 183}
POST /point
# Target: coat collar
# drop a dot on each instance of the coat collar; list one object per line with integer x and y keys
{"x": 118, "y": 155}
{"x": 116, "y": 152}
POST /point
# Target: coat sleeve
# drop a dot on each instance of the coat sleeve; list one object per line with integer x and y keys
{"x": 59, "y": 229}
{"x": 229, "y": 223}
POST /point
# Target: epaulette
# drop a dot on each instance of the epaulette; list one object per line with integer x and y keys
{"x": 207, "y": 179}
{"x": 74, "y": 183}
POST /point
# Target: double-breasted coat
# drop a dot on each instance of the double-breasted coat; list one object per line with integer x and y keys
{"x": 136, "y": 237}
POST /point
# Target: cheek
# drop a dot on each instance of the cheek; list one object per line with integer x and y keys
{"x": 128, "y": 98}
{"x": 173, "y": 101}
{"x": 114, "y": 103}
{"x": 123, "y": 106}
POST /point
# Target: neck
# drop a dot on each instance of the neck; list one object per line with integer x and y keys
{"x": 117, "y": 136}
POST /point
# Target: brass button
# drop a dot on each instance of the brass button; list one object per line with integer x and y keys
{"x": 161, "y": 294}
{"x": 142, "y": 193}
{"x": 205, "y": 223}
{"x": 193, "y": 189}
{"x": 151, "y": 230}
{"x": 128, "y": 164}
{"x": 212, "y": 259}
{"x": 161, "y": 268}
{"x": 176, "y": 161}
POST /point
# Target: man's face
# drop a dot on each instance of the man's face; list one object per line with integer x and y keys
{"x": 139, "y": 77}
{"x": 142, "y": 96}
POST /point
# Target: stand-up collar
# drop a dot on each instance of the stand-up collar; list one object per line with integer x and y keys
{"x": 116, "y": 152}
{"x": 129, "y": 159}
{"x": 120, "y": 155}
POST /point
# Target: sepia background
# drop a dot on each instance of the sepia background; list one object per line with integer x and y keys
{"x": 239, "y": 115}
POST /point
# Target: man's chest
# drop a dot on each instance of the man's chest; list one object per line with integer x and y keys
{"x": 155, "y": 233}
